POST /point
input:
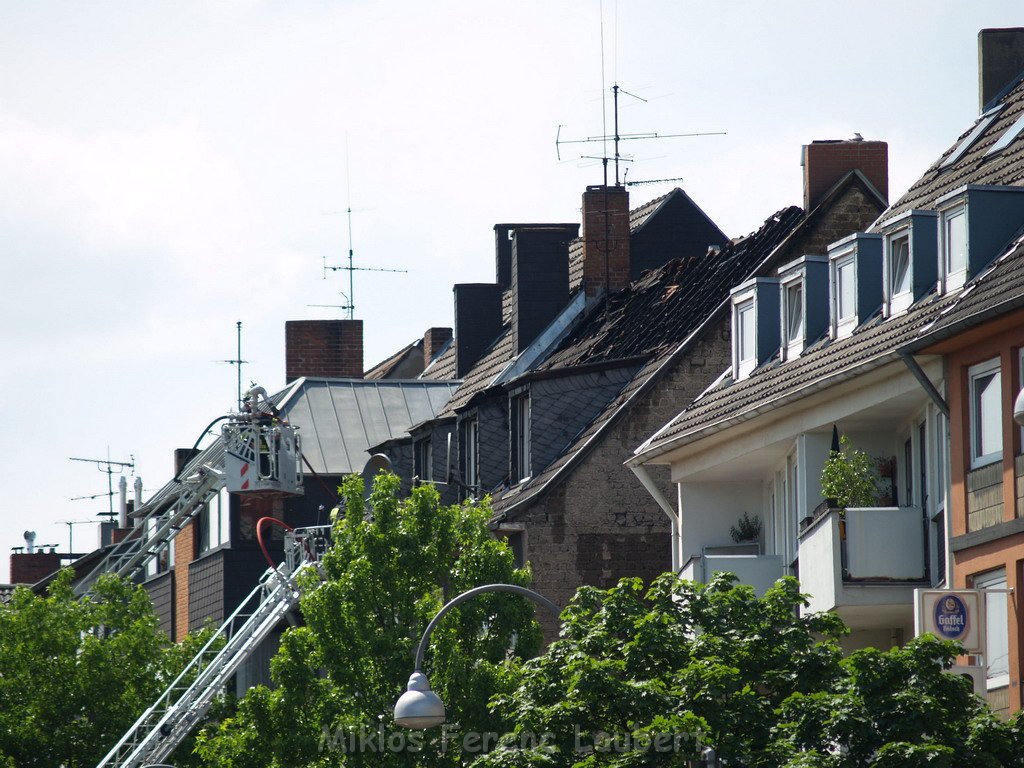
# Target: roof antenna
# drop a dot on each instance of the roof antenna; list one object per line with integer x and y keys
{"x": 238, "y": 361}
{"x": 106, "y": 465}
{"x": 351, "y": 268}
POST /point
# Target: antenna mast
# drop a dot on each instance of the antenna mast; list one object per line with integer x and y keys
{"x": 106, "y": 465}
{"x": 238, "y": 361}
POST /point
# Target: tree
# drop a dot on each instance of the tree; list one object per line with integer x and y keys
{"x": 389, "y": 569}
{"x": 651, "y": 676}
{"x": 76, "y": 673}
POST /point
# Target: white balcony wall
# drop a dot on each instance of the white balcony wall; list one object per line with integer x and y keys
{"x": 759, "y": 571}
{"x": 821, "y": 574}
{"x": 885, "y": 543}
{"x": 710, "y": 509}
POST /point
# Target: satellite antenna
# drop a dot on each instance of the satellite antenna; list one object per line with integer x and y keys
{"x": 376, "y": 464}
{"x": 351, "y": 268}
{"x": 238, "y": 361}
{"x": 106, "y": 465}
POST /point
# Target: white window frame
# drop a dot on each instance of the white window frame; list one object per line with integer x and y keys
{"x": 793, "y": 347}
{"x": 898, "y": 301}
{"x": 843, "y": 326}
{"x": 426, "y": 457}
{"x": 997, "y": 633}
{"x": 743, "y": 304}
{"x": 953, "y": 279}
{"x": 974, "y": 373}
{"x": 471, "y": 446}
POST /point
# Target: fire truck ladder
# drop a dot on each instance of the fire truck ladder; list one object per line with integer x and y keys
{"x": 156, "y": 531}
{"x": 166, "y": 723}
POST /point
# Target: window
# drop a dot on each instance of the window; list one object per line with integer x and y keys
{"x": 745, "y": 335}
{"x": 982, "y": 125}
{"x": 1008, "y": 137}
{"x": 986, "y": 427}
{"x": 997, "y": 630}
{"x": 214, "y": 523}
{"x": 425, "y": 460}
{"x": 794, "y": 308}
{"x": 954, "y": 248}
{"x": 844, "y": 292}
{"x": 470, "y": 449}
{"x": 521, "y": 437}
{"x": 898, "y": 273}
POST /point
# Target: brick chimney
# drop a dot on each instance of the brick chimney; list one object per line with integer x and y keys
{"x": 433, "y": 341}
{"x": 503, "y": 247}
{"x": 324, "y": 349}
{"x": 826, "y": 162}
{"x": 28, "y": 568}
{"x": 540, "y": 280}
{"x": 605, "y": 239}
{"x": 1000, "y": 61}
{"x": 477, "y": 322}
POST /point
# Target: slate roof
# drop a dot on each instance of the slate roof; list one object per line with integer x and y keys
{"x": 654, "y": 318}
{"x": 443, "y": 365}
{"x": 485, "y": 371}
{"x": 6, "y": 591}
{"x": 974, "y": 167}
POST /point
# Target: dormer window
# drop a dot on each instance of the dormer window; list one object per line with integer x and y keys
{"x": 845, "y": 291}
{"x": 855, "y": 281}
{"x": 898, "y": 291}
{"x": 755, "y": 324}
{"x": 804, "y": 303}
{"x": 794, "y": 309}
{"x": 954, "y": 247}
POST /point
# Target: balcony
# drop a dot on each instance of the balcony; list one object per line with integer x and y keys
{"x": 757, "y": 570}
{"x": 864, "y": 564}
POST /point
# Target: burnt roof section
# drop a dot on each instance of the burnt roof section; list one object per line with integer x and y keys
{"x": 873, "y": 344}
{"x": 974, "y": 166}
{"x": 657, "y": 311}
{"x": 667, "y": 307}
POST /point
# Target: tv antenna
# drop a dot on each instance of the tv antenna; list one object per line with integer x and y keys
{"x": 617, "y": 138}
{"x": 71, "y": 529}
{"x": 106, "y": 465}
{"x": 238, "y": 361}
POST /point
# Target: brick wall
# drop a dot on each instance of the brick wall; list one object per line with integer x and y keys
{"x": 29, "y": 568}
{"x": 323, "y": 348}
{"x": 184, "y": 553}
{"x": 825, "y": 162}
{"x": 605, "y": 239}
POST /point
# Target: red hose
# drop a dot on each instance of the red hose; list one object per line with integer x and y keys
{"x": 259, "y": 535}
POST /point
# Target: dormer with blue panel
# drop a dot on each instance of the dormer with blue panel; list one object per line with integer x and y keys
{"x": 755, "y": 324}
{"x": 910, "y": 264}
{"x": 855, "y": 281}
{"x": 803, "y": 299}
{"x": 975, "y": 223}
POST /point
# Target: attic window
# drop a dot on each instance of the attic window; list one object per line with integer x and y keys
{"x": 794, "y": 313}
{"x": 844, "y": 292}
{"x": 983, "y": 124}
{"x": 954, "y": 247}
{"x": 1008, "y": 137}
{"x": 746, "y": 349}
{"x": 897, "y": 268}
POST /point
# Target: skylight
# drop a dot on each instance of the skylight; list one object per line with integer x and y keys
{"x": 1008, "y": 137}
{"x": 983, "y": 124}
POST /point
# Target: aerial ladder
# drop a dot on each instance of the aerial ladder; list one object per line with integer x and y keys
{"x": 259, "y": 452}
{"x": 165, "y": 724}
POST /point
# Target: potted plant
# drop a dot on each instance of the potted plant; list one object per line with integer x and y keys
{"x": 849, "y": 477}
{"x": 747, "y": 529}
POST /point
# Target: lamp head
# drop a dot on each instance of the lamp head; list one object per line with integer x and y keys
{"x": 1018, "y": 408}
{"x": 419, "y": 707}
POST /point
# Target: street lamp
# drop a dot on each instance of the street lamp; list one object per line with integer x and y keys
{"x": 1018, "y": 408}
{"x": 419, "y": 707}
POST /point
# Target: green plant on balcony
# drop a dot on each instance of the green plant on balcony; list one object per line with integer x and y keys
{"x": 747, "y": 528}
{"x": 849, "y": 477}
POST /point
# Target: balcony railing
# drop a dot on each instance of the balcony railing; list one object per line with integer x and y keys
{"x": 759, "y": 571}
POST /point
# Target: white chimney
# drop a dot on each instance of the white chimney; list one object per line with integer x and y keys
{"x": 30, "y": 541}
{"x": 122, "y": 487}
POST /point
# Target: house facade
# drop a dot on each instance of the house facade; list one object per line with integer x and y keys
{"x": 905, "y": 339}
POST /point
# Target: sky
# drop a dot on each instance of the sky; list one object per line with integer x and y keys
{"x": 170, "y": 168}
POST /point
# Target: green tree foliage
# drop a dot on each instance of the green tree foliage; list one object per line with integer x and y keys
{"x": 390, "y": 568}
{"x": 76, "y": 673}
{"x": 648, "y": 677}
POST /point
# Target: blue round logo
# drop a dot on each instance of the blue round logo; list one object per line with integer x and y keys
{"x": 951, "y": 617}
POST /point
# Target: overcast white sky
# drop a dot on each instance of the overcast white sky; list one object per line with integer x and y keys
{"x": 168, "y": 168}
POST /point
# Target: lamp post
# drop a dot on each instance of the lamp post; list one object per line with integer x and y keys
{"x": 419, "y": 707}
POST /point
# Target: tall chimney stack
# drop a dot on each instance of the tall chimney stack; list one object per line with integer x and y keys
{"x": 1000, "y": 61}
{"x": 477, "y": 322}
{"x": 826, "y": 162}
{"x": 331, "y": 349}
{"x": 540, "y": 280}
{"x": 605, "y": 240}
